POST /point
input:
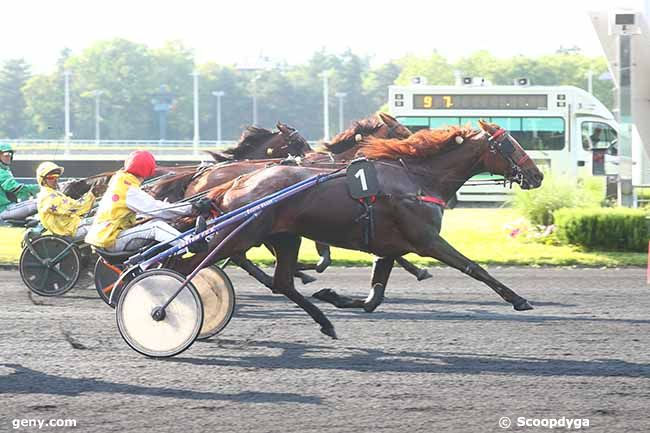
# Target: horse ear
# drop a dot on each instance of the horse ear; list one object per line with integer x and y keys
{"x": 386, "y": 118}
{"x": 488, "y": 127}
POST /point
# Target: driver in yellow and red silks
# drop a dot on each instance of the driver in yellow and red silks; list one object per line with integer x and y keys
{"x": 59, "y": 213}
{"x": 114, "y": 227}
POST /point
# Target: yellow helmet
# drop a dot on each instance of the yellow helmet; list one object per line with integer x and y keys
{"x": 46, "y": 168}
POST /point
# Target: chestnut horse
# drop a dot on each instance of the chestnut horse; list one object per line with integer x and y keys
{"x": 414, "y": 174}
{"x": 342, "y": 148}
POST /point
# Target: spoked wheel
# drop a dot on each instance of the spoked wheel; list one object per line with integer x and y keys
{"x": 50, "y": 266}
{"x": 170, "y": 333}
{"x": 106, "y": 274}
{"x": 218, "y": 297}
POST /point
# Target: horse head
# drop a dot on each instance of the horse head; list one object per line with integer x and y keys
{"x": 295, "y": 144}
{"x": 392, "y": 127}
{"x": 381, "y": 125}
{"x": 505, "y": 156}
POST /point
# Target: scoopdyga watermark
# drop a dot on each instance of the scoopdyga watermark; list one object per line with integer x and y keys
{"x": 550, "y": 423}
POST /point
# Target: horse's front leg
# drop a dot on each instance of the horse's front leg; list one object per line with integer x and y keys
{"x": 440, "y": 249}
{"x": 380, "y": 273}
{"x": 419, "y": 273}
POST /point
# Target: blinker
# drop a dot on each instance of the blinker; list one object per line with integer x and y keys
{"x": 506, "y": 147}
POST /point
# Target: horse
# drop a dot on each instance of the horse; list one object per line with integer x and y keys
{"x": 341, "y": 149}
{"x": 261, "y": 143}
{"x": 416, "y": 176}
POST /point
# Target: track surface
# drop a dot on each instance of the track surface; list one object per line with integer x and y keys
{"x": 441, "y": 355}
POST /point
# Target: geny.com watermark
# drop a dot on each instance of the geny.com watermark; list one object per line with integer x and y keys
{"x": 551, "y": 423}
{"x": 40, "y": 423}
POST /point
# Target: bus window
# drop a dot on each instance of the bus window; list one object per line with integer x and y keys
{"x": 473, "y": 121}
{"x": 508, "y": 123}
{"x": 599, "y": 135}
{"x": 414, "y": 123}
{"x": 439, "y": 122}
{"x": 541, "y": 133}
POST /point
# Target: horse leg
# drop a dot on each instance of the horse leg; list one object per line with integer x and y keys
{"x": 286, "y": 248}
{"x": 380, "y": 272}
{"x": 252, "y": 269}
{"x": 419, "y": 273}
{"x": 325, "y": 257}
{"x": 304, "y": 278}
{"x": 443, "y": 251}
{"x": 323, "y": 263}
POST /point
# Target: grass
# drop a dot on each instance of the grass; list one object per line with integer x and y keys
{"x": 480, "y": 234}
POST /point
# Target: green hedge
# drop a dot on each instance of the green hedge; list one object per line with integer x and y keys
{"x": 613, "y": 229}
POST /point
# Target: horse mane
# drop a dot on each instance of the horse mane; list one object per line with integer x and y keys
{"x": 346, "y": 140}
{"x": 219, "y": 156}
{"x": 174, "y": 186}
{"x": 250, "y": 139}
{"x": 421, "y": 144}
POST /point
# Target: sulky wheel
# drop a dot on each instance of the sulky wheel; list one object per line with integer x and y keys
{"x": 218, "y": 297}
{"x": 106, "y": 274}
{"x": 171, "y": 332}
{"x": 50, "y": 265}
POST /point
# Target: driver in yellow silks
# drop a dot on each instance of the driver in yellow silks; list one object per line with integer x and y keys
{"x": 59, "y": 213}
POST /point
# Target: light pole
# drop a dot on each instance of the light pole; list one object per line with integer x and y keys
{"x": 326, "y": 108}
{"x": 218, "y": 94}
{"x": 66, "y": 138}
{"x": 97, "y": 94}
{"x": 341, "y": 96}
{"x": 195, "y": 74}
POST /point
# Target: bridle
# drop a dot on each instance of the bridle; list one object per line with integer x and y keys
{"x": 501, "y": 143}
{"x": 294, "y": 139}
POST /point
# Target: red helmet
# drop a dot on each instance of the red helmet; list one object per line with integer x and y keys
{"x": 140, "y": 163}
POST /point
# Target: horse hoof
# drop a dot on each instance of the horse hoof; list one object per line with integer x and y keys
{"x": 522, "y": 305}
{"x": 330, "y": 332}
{"x": 306, "y": 279}
{"x": 423, "y": 274}
{"x": 322, "y": 265}
{"x": 324, "y": 294}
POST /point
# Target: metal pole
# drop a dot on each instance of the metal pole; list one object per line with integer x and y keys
{"x": 195, "y": 74}
{"x": 218, "y": 95}
{"x": 590, "y": 81}
{"x": 625, "y": 190}
{"x": 341, "y": 96}
{"x": 326, "y": 114}
{"x": 66, "y": 138}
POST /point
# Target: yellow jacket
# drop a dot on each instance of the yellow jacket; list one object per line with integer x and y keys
{"x": 113, "y": 215}
{"x": 61, "y": 214}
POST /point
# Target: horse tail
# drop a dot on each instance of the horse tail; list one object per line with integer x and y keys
{"x": 218, "y": 156}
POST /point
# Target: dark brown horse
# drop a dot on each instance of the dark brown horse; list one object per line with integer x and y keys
{"x": 341, "y": 149}
{"x": 414, "y": 175}
{"x": 260, "y": 143}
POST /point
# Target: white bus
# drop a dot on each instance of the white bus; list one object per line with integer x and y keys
{"x": 564, "y": 129}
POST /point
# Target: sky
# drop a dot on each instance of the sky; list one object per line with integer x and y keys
{"x": 238, "y": 32}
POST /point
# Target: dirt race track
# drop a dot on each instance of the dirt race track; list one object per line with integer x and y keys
{"x": 441, "y": 355}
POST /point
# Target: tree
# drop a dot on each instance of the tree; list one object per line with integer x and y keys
{"x": 13, "y": 119}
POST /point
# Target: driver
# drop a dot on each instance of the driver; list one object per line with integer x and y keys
{"x": 59, "y": 213}
{"x": 12, "y": 191}
{"x": 114, "y": 228}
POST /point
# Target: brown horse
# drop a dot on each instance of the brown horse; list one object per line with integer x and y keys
{"x": 342, "y": 148}
{"x": 260, "y": 143}
{"x": 414, "y": 174}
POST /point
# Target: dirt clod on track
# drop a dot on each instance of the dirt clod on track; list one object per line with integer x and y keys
{"x": 442, "y": 355}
